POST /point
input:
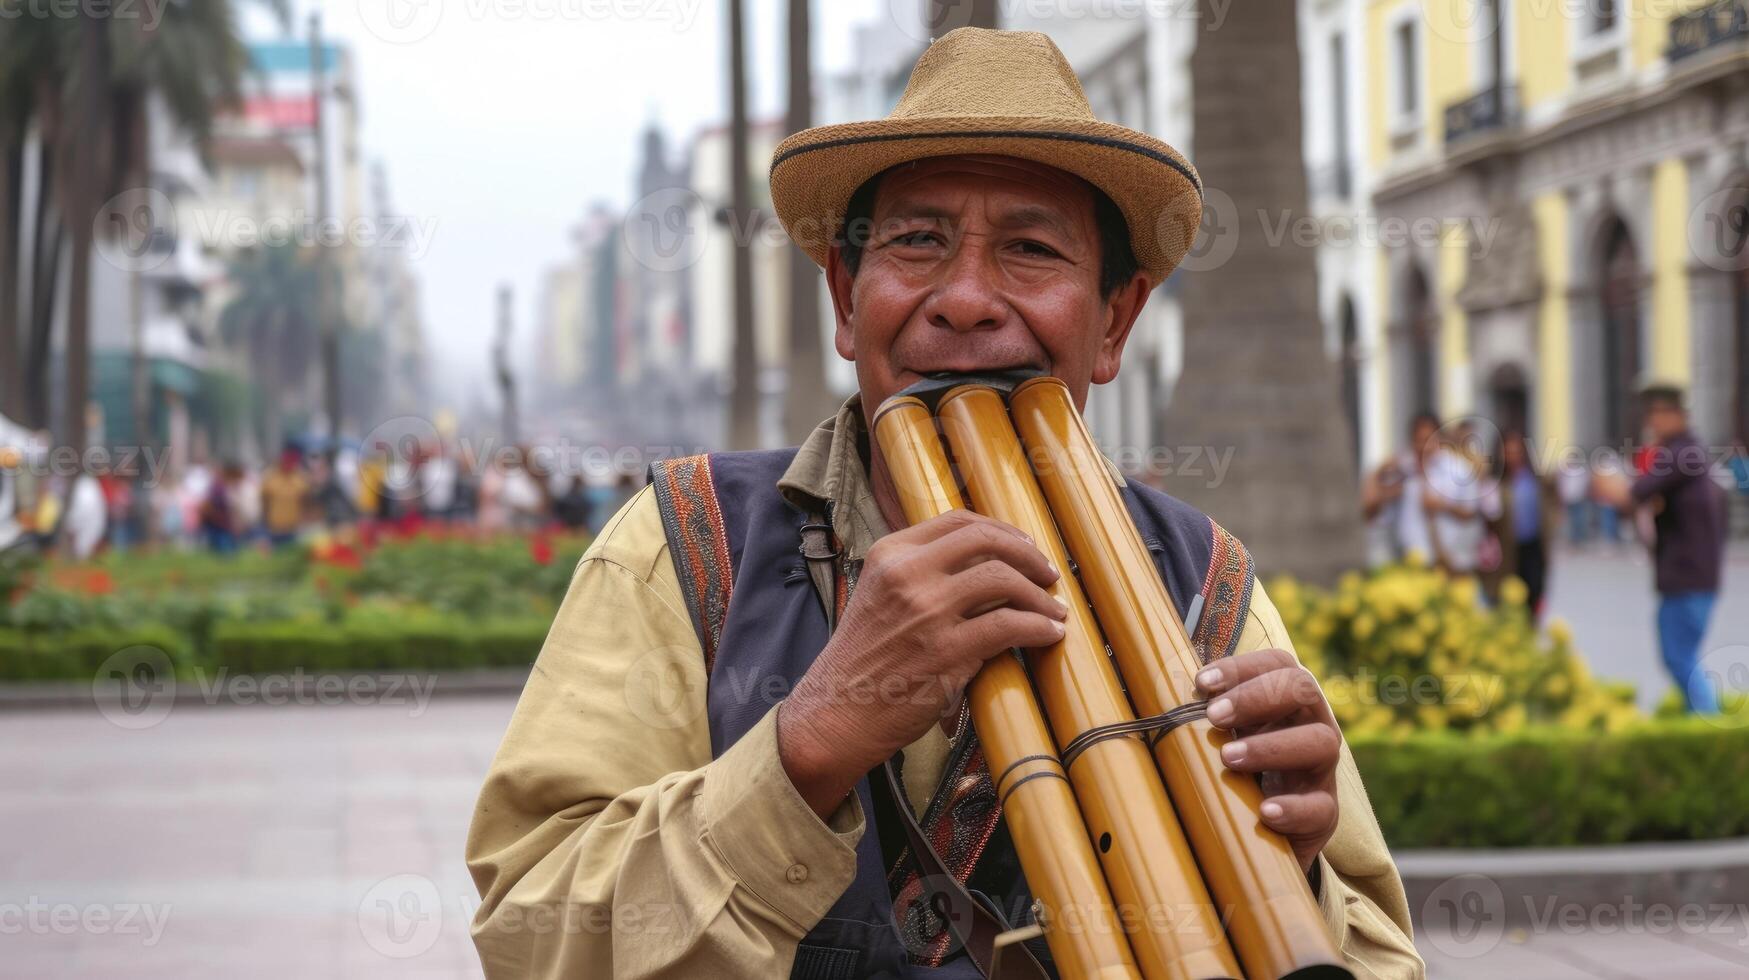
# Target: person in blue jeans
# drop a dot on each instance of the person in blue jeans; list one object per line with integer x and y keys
{"x": 1689, "y": 547}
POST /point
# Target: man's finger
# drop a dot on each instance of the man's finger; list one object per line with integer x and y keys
{"x": 1001, "y": 629}
{"x": 968, "y": 546}
{"x": 1301, "y": 748}
{"x": 942, "y": 525}
{"x": 1285, "y": 692}
{"x": 1227, "y": 672}
{"x": 1312, "y": 814}
{"x": 990, "y": 584}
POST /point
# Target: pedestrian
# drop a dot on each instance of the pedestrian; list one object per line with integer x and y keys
{"x": 285, "y": 499}
{"x": 220, "y": 523}
{"x": 1433, "y": 498}
{"x": 991, "y": 223}
{"x": 1529, "y": 512}
{"x": 571, "y": 505}
{"x": 1688, "y": 529}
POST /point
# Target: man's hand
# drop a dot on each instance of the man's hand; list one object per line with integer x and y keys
{"x": 1284, "y": 731}
{"x": 933, "y": 602}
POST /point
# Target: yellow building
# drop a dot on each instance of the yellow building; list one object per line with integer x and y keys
{"x": 1584, "y": 164}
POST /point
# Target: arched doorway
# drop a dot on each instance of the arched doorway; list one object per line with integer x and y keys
{"x": 1621, "y": 279}
{"x": 1351, "y": 374}
{"x": 1509, "y": 399}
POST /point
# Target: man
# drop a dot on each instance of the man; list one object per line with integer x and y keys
{"x": 1434, "y": 499}
{"x": 1689, "y": 527}
{"x": 285, "y": 498}
{"x": 682, "y": 791}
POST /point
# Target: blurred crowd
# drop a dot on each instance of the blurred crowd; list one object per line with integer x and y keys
{"x": 1489, "y": 506}
{"x": 305, "y": 492}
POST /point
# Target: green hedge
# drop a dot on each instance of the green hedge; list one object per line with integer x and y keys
{"x": 1675, "y": 779}
{"x": 420, "y": 644}
{"x": 78, "y": 654}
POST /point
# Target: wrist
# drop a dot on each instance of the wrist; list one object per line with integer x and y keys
{"x": 821, "y": 777}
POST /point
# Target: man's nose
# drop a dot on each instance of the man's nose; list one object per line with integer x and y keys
{"x": 965, "y": 298}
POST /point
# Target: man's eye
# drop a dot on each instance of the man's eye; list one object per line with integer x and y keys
{"x": 914, "y": 238}
{"x": 1031, "y": 247}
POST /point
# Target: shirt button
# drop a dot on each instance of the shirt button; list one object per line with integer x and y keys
{"x": 797, "y": 874}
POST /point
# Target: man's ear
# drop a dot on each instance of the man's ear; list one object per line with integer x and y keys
{"x": 1121, "y": 311}
{"x": 838, "y": 282}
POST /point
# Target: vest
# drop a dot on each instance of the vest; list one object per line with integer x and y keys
{"x": 734, "y": 540}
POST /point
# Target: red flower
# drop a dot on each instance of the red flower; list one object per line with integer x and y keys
{"x": 541, "y": 550}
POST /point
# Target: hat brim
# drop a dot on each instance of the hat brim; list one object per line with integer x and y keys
{"x": 814, "y": 173}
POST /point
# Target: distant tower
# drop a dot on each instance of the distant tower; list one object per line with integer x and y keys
{"x": 501, "y": 363}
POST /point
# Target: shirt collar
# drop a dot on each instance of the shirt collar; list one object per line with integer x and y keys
{"x": 830, "y": 472}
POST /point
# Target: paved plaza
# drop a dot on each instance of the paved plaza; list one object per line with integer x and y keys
{"x": 326, "y": 840}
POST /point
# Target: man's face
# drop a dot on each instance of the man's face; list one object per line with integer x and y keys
{"x": 980, "y": 263}
{"x": 1664, "y": 420}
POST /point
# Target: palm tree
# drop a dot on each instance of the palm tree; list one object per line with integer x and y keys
{"x": 1257, "y": 379}
{"x": 272, "y": 318}
{"x": 744, "y": 398}
{"x": 806, "y": 397}
{"x": 84, "y": 84}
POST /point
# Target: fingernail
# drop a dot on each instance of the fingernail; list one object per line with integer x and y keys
{"x": 1272, "y": 810}
{"x": 1058, "y": 624}
{"x": 1053, "y": 567}
{"x": 1209, "y": 679}
{"x": 1061, "y": 604}
{"x": 1221, "y": 711}
{"x": 1233, "y": 753}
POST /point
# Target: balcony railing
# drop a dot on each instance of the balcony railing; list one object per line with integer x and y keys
{"x": 1490, "y": 110}
{"x": 1720, "y": 23}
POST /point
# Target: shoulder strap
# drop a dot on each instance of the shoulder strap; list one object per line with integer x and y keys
{"x": 692, "y": 521}
{"x": 1217, "y": 614}
{"x": 973, "y": 924}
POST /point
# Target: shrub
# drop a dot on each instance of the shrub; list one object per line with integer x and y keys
{"x": 76, "y": 655}
{"x": 1672, "y": 779}
{"x": 370, "y": 643}
{"x": 1409, "y": 649}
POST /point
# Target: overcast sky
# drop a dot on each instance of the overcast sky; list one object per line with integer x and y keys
{"x": 503, "y": 119}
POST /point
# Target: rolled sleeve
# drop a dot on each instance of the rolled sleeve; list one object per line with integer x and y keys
{"x": 771, "y": 840}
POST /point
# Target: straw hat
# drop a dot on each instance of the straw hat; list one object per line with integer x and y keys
{"x": 1010, "y": 93}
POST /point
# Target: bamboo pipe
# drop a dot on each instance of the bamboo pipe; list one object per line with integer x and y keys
{"x": 1172, "y": 924}
{"x": 1081, "y": 926}
{"x": 1273, "y": 920}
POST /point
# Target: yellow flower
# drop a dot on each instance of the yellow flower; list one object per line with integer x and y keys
{"x": 1513, "y": 591}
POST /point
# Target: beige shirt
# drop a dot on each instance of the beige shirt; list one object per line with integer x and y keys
{"x": 607, "y": 842}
